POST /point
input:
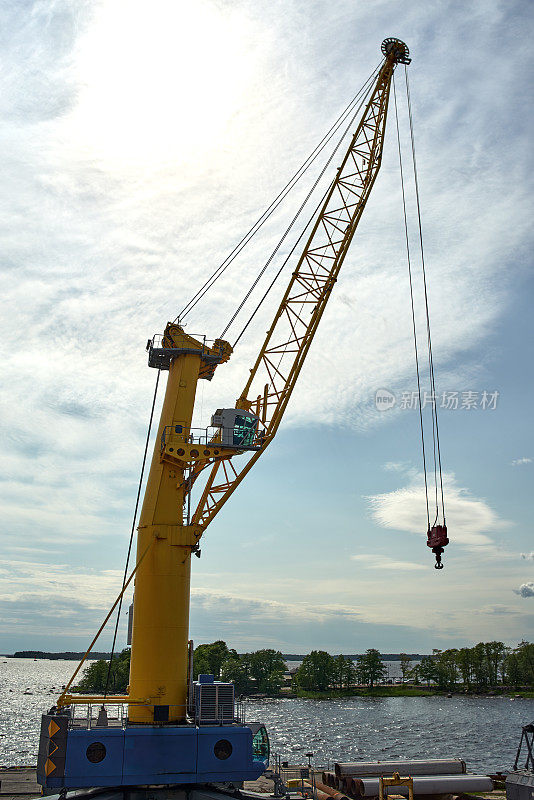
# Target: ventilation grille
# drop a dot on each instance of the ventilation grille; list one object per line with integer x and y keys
{"x": 214, "y": 702}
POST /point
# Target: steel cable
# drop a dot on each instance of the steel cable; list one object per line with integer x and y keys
{"x": 290, "y": 226}
{"x": 312, "y": 217}
{"x": 412, "y": 305}
{"x": 132, "y": 531}
{"x": 435, "y": 428}
{"x": 275, "y": 203}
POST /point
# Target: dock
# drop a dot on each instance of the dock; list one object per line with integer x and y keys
{"x": 20, "y": 783}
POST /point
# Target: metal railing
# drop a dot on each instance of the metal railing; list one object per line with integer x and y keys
{"x": 290, "y": 778}
{"x": 203, "y": 437}
{"x": 90, "y": 716}
{"x": 199, "y": 436}
{"x": 183, "y": 341}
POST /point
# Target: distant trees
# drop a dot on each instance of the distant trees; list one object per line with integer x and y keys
{"x": 209, "y": 658}
{"x": 236, "y": 669}
{"x": 67, "y": 656}
{"x": 260, "y": 671}
{"x": 485, "y": 666}
{"x": 344, "y": 672}
{"x": 321, "y": 671}
{"x": 94, "y": 678}
{"x": 267, "y": 667}
{"x": 317, "y": 672}
{"x": 405, "y": 662}
{"x": 519, "y": 665}
{"x": 427, "y": 671}
{"x": 369, "y": 668}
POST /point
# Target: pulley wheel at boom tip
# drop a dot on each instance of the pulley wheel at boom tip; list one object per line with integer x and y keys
{"x": 396, "y": 48}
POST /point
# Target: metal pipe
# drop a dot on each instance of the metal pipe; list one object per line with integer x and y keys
{"x": 323, "y": 787}
{"x": 431, "y": 784}
{"x": 319, "y": 795}
{"x": 423, "y": 766}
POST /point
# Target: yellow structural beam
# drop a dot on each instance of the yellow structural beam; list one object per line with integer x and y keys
{"x": 158, "y": 669}
{"x": 108, "y": 699}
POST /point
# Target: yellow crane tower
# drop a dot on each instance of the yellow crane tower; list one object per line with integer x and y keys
{"x": 167, "y": 737}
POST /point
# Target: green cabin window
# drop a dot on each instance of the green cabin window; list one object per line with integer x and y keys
{"x": 244, "y": 430}
{"x": 260, "y": 744}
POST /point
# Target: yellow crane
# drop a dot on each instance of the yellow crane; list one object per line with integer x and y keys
{"x": 169, "y": 529}
{"x": 159, "y": 663}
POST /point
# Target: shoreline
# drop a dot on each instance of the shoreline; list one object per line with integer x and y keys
{"x": 397, "y": 691}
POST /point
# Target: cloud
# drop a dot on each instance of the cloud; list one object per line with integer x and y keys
{"x": 377, "y": 561}
{"x": 525, "y": 590}
{"x": 470, "y": 519}
{"x": 497, "y": 610}
{"x": 396, "y": 466}
{"x": 517, "y": 462}
{"x": 59, "y": 583}
{"x": 249, "y": 622}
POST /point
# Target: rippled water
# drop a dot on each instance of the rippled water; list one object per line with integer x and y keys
{"x": 27, "y": 689}
{"x": 483, "y": 731}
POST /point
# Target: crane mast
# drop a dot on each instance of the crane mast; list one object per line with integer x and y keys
{"x": 162, "y": 743}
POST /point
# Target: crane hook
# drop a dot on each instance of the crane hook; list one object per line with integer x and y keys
{"x": 437, "y": 540}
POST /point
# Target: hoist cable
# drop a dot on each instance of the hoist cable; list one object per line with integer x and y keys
{"x": 312, "y": 217}
{"x": 435, "y": 428}
{"x": 412, "y": 304}
{"x": 291, "y": 224}
{"x": 147, "y": 441}
{"x": 61, "y": 701}
{"x": 276, "y": 202}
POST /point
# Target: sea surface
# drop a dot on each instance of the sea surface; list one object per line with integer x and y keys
{"x": 484, "y": 731}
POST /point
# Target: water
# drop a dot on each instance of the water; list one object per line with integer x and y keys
{"x": 20, "y": 711}
{"x": 484, "y": 731}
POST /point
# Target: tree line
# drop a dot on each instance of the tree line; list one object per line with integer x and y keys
{"x": 67, "y": 656}
{"x": 485, "y": 666}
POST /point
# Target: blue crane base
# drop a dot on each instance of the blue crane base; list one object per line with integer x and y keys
{"x": 134, "y": 755}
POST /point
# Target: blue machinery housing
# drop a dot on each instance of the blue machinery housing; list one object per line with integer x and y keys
{"x": 76, "y": 757}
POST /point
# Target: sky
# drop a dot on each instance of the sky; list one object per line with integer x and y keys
{"x": 140, "y": 142}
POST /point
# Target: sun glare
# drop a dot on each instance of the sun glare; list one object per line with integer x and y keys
{"x": 158, "y": 80}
